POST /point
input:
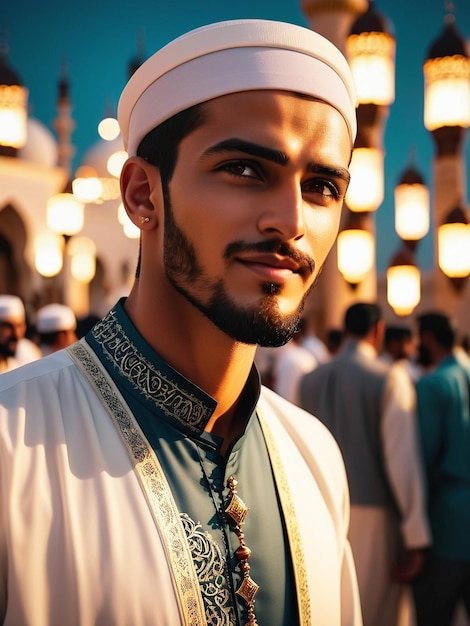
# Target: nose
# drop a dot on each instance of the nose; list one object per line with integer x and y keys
{"x": 282, "y": 213}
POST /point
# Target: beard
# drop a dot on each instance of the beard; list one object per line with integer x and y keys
{"x": 424, "y": 356}
{"x": 261, "y": 324}
{"x": 8, "y": 348}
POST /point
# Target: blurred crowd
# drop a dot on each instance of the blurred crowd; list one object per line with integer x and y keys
{"x": 397, "y": 400}
{"x": 23, "y": 340}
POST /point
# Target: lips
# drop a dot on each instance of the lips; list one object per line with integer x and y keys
{"x": 272, "y": 268}
{"x": 270, "y": 256}
{"x": 270, "y": 260}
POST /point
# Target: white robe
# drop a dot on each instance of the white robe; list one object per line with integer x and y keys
{"x": 78, "y": 542}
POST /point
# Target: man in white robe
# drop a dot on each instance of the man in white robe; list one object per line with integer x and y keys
{"x": 12, "y": 330}
{"x": 369, "y": 406}
{"x": 145, "y": 476}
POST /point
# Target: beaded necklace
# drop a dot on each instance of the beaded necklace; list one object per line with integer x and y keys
{"x": 236, "y": 511}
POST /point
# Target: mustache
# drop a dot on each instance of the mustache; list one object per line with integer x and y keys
{"x": 272, "y": 246}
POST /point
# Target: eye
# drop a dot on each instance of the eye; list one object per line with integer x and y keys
{"x": 324, "y": 191}
{"x": 241, "y": 169}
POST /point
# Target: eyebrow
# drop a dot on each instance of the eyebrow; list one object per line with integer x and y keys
{"x": 336, "y": 172}
{"x": 275, "y": 156}
{"x": 248, "y": 147}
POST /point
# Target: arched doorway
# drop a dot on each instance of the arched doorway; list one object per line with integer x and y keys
{"x": 14, "y": 271}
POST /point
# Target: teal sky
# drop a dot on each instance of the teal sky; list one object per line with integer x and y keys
{"x": 97, "y": 39}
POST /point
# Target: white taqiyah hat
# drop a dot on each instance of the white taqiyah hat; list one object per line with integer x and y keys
{"x": 232, "y": 56}
{"x": 11, "y": 308}
{"x": 53, "y": 318}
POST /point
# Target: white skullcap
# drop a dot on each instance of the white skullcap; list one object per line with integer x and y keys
{"x": 53, "y": 318}
{"x": 233, "y": 56}
{"x": 11, "y": 308}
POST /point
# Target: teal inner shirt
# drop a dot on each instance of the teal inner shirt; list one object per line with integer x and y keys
{"x": 172, "y": 413}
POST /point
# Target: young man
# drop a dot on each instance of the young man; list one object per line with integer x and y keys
{"x": 146, "y": 477}
{"x": 369, "y": 406}
{"x": 444, "y": 426}
{"x": 56, "y": 325}
{"x": 12, "y": 330}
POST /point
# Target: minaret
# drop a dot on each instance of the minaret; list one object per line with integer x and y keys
{"x": 333, "y": 18}
{"x": 337, "y": 20}
{"x": 447, "y": 58}
{"x": 64, "y": 124}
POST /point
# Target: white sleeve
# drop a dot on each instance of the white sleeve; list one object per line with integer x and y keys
{"x": 402, "y": 457}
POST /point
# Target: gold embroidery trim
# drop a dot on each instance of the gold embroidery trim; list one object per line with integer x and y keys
{"x": 157, "y": 387}
{"x": 152, "y": 480}
{"x": 292, "y": 524}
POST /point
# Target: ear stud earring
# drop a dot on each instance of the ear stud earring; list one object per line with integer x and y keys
{"x": 144, "y": 220}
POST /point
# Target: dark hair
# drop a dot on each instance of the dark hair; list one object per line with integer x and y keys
{"x": 440, "y": 326}
{"x": 361, "y": 317}
{"x": 48, "y": 339}
{"x": 160, "y": 146}
{"x": 334, "y": 339}
{"x": 397, "y": 333}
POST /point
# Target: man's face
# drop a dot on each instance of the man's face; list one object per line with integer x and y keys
{"x": 253, "y": 209}
{"x": 10, "y": 333}
{"x": 425, "y": 352}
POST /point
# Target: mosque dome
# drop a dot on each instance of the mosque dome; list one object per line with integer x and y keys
{"x": 41, "y": 145}
{"x": 98, "y": 155}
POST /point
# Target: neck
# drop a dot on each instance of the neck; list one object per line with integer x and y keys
{"x": 440, "y": 353}
{"x": 197, "y": 349}
{"x": 3, "y": 363}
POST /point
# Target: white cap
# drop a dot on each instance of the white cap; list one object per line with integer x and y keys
{"x": 11, "y": 308}
{"x": 233, "y": 56}
{"x": 53, "y": 318}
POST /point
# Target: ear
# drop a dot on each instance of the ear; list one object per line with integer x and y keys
{"x": 379, "y": 334}
{"x": 141, "y": 192}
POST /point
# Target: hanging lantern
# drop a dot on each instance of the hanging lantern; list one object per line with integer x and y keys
{"x": 370, "y": 49}
{"x": 82, "y": 252}
{"x": 13, "y": 107}
{"x": 86, "y": 185}
{"x": 447, "y": 81}
{"x": 355, "y": 249}
{"x": 453, "y": 244}
{"x": 355, "y": 254}
{"x": 403, "y": 283}
{"x": 366, "y": 189}
{"x": 411, "y": 206}
{"x": 48, "y": 253}
{"x": 65, "y": 214}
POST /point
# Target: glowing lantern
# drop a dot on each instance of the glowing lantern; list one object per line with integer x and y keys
{"x": 65, "y": 214}
{"x": 370, "y": 49}
{"x": 82, "y": 253}
{"x": 356, "y": 254}
{"x": 366, "y": 190}
{"x": 453, "y": 244}
{"x": 447, "y": 81}
{"x": 48, "y": 253}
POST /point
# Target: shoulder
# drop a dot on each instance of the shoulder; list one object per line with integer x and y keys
{"x": 320, "y": 371}
{"x": 34, "y": 371}
{"x": 41, "y": 388}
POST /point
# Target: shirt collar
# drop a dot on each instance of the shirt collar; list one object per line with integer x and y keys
{"x": 364, "y": 348}
{"x": 137, "y": 367}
